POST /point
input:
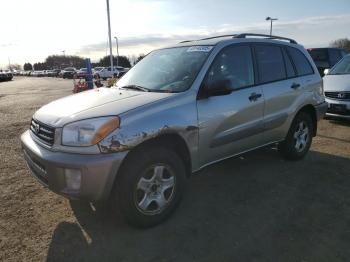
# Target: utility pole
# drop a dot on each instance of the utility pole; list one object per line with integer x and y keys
{"x": 64, "y": 52}
{"x": 271, "y": 20}
{"x": 9, "y": 63}
{"x": 109, "y": 36}
{"x": 116, "y": 39}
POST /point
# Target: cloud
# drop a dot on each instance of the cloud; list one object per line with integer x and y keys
{"x": 292, "y": 28}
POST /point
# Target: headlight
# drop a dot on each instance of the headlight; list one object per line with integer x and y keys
{"x": 89, "y": 132}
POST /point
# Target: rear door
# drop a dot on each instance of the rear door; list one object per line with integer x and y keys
{"x": 281, "y": 88}
{"x": 231, "y": 123}
{"x": 285, "y": 73}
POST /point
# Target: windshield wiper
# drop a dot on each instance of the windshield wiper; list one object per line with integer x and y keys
{"x": 136, "y": 87}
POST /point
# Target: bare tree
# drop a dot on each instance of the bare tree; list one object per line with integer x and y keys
{"x": 342, "y": 43}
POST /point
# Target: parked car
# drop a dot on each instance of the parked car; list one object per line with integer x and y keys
{"x": 81, "y": 73}
{"x": 107, "y": 72}
{"x": 6, "y": 75}
{"x": 54, "y": 72}
{"x": 69, "y": 72}
{"x": 176, "y": 111}
{"x": 326, "y": 58}
{"x": 337, "y": 89}
{"x": 40, "y": 73}
{"x": 97, "y": 68}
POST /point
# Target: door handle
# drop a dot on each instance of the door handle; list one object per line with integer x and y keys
{"x": 254, "y": 96}
{"x": 295, "y": 86}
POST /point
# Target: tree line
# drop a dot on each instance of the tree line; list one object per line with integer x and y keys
{"x": 63, "y": 61}
{"x": 342, "y": 43}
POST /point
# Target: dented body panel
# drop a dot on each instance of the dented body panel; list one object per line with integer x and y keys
{"x": 174, "y": 115}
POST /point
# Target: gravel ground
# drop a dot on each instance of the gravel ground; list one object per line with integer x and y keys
{"x": 257, "y": 207}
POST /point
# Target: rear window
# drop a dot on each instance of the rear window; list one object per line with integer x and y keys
{"x": 270, "y": 63}
{"x": 301, "y": 63}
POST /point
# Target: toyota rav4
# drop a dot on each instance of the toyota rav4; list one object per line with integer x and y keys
{"x": 178, "y": 110}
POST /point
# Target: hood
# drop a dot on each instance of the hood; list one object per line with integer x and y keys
{"x": 336, "y": 83}
{"x": 94, "y": 103}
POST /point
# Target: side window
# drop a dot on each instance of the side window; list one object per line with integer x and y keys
{"x": 234, "y": 64}
{"x": 334, "y": 56}
{"x": 289, "y": 66}
{"x": 270, "y": 63}
{"x": 301, "y": 63}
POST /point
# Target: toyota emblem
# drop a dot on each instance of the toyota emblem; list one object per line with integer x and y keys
{"x": 37, "y": 128}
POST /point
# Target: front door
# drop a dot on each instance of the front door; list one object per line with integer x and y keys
{"x": 230, "y": 123}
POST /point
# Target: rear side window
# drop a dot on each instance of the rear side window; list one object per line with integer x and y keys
{"x": 234, "y": 64}
{"x": 334, "y": 56}
{"x": 270, "y": 63}
{"x": 301, "y": 63}
{"x": 289, "y": 66}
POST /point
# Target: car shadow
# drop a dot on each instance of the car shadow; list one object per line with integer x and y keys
{"x": 338, "y": 121}
{"x": 257, "y": 207}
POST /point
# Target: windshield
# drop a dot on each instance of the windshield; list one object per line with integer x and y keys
{"x": 167, "y": 70}
{"x": 342, "y": 68}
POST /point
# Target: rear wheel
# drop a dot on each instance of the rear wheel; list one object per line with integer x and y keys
{"x": 150, "y": 186}
{"x": 299, "y": 138}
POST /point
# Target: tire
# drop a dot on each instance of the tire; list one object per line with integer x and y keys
{"x": 160, "y": 172}
{"x": 299, "y": 138}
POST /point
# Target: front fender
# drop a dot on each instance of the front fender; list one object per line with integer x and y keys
{"x": 176, "y": 115}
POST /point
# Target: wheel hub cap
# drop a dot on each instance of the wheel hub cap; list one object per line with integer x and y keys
{"x": 301, "y": 137}
{"x": 155, "y": 189}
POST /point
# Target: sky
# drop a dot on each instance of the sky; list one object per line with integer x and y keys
{"x": 32, "y": 30}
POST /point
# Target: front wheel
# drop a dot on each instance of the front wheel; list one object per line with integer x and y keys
{"x": 299, "y": 138}
{"x": 150, "y": 186}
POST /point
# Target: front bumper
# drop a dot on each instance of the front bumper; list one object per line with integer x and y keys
{"x": 333, "y": 112}
{"x": 98, "y": 172}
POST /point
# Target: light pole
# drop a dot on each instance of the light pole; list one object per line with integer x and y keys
{"x": 116, "y": 39}
{"x": 64, "y": 52}
{"x": 109, "y": 36}
{"x": 271, "y": 20}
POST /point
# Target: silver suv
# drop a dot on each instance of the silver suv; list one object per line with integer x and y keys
{"x": 178, "y": 110}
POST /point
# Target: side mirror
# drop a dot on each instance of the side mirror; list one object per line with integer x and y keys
{"x": 326, "y": 71}
{"x": 218, "y": 88}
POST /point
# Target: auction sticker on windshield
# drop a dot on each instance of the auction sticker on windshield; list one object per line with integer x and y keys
{"x": 200, "y": 49}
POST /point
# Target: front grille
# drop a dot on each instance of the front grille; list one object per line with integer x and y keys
{"x": 44, "y": 132}
{"x": 338, "y": 95}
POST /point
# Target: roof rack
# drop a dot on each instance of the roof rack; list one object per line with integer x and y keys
{"x": 244, "y": 35}
{"x": 208, "y": 38}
